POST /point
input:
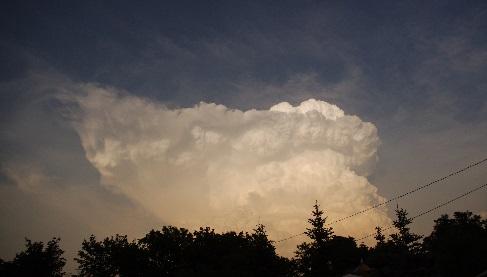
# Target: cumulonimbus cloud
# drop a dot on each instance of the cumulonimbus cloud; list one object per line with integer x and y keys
{"x": 227, "y": 168}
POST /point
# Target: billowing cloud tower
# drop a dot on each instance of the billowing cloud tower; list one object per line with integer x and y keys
{"x": 230, "y": 169}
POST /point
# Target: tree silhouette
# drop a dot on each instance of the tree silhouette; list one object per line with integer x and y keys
{"x": 236, "y": 254}
{"x": 318, "y": 232}
{"x": 166, "y": 250}
{"x": 343, "y": 254}
{"x": 36, "y": 260}
{"x": 114, "y": 256}
{"x": 326, "y": 254}
{"x": 401, "y": 254}
{"x": 404, "y": 239}
{"x": 177, "y": 252}
{"x": 458, "y": 246}
{"x": 379, "y": 237}
{"x": 265, "y": 259}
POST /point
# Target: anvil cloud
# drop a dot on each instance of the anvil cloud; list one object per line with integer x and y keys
{"x": 227, "y": 168}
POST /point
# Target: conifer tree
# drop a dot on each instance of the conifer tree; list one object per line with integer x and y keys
{"x": 312, "y": 258}
{"x": 379, "y": 237}
{"x": 318, "y": 233}
{"x": 400, "y": 255}
{"x": 404, "y": 238}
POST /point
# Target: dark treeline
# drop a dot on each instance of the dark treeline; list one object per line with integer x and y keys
{"x": 457, "y": 246}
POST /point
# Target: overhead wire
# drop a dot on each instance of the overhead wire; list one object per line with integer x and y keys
{"x": 471, "y": 165}
{"x": 432, "y": 209}
{"x": 409, "y": 192}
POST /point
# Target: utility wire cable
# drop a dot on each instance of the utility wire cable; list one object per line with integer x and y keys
{"x": 432, "y": 209}
{"x": 288, "y": 238}
{"x": 396, "y": 197}
{"x": 410, "y": 192}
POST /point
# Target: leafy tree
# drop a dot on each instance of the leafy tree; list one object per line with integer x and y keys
{"x": 343, "y": 254}
{"x": 114, "y": 256}
{"x": 457, "y": 246}
{"x": 36, "y": 260}
{"x": 166, "y": 250}
{"x": 177, "y": 252}
{"x": 235, "y": 254}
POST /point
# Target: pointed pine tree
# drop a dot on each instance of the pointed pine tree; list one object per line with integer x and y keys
{"x": 404, "y": 238}
{"x": 318, "y": 233}
{"x": 403, "y": 250}
{"x": 379, "y": 236}
{"x": 312, "y": 258}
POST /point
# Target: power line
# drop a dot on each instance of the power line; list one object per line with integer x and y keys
{"x": 288, "y": 238}
{"x": 432, "y": 209}
{"x": 410, "y": 192}
{"x": 395, "y": 198}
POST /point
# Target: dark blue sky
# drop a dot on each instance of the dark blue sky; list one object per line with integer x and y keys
{"x": 187, "y": 51}
{"x": 415, "y": 69}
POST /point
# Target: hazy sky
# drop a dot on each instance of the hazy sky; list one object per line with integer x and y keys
{"x": 122, "y": 117}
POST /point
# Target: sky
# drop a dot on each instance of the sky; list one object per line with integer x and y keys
{"x": 121, "y": 117}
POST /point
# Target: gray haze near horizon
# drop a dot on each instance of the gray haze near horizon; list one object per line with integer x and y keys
{"x": 417, "y": 71}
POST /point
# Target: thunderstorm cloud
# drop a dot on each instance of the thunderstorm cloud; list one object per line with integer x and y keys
{"x": 230, "y": 169}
